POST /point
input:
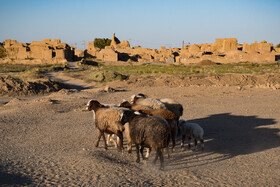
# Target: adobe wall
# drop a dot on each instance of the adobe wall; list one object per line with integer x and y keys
{"x": 48, "y": 50}
{"x": 223, "y": 50}
{"x": 263, "y": 45}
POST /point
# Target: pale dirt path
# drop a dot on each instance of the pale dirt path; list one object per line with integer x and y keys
{"x": 70, "y": 82}
{"x": 49, "y": 141}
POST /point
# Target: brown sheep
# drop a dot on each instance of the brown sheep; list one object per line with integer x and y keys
{"x": 109, "y": 120}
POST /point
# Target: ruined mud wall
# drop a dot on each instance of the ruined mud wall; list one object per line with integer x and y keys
{"x": 47, "y": 50}
{"x": 223, "y": 50}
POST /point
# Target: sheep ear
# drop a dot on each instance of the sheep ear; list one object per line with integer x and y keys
{"x": 141, "y": 95}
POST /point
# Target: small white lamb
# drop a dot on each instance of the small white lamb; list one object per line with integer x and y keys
{"x": 192, "y": 131}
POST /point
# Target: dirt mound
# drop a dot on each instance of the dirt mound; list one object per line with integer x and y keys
{"x": 106, "y": 76}
{"x": 262, "y": 81}
{"x": 206, "y": 63}
{"x": 16, "y": 87}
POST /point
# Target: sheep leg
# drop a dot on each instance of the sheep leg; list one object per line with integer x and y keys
{"x": 161, "y": 160}
{"x": 183, "y": 140}
{"x": 98, "y": 139}
{"x": 120, "y": 146}
{"x": 157, "y": 155}
{"x": 173, "y": 144}
{"x": 173, "y": 136}
{"x": 167, "y": 149}
{"x": 148, "y": 153}
{"x": 104, "y": 138}
{"x": 129, "y": 147}
{"x": 202, "y": 144}
{"x": 109, "y": 139}
{"x": 141, "y": 151}
{"x": 118, "y": 142}
{"x": 195, "y": 144}
{"x": 127, "y": 133}
{"x": 137, "y": 151}
{"x": 189, "y": 142}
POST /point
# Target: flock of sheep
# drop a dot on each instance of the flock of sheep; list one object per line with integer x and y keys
{"x": 146, "y": 122}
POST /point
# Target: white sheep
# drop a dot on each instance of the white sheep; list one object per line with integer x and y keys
{"x": 192, "y": 131}
{"x": 165, "y": 103}
{"x": 149, "y": 102}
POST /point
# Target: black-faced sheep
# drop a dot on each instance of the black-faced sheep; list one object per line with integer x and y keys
{"x": 191, "y": 131}
{"x": 166, "y": 114}
{"x": 151, "y": 132}
{"x": 109, "y": 120}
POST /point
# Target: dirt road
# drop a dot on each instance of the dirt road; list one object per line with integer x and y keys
{"x": 49, "y": 140}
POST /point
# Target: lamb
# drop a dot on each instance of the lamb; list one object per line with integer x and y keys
{"x": 166, "y": 114}
{"x": 109, "y": 120}
{"x": 192, "y": 131}
{"x": 152, "y": 132}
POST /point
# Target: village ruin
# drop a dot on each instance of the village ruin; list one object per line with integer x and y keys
{"x": 223, "y": 50}
{"x": 49, "y": 51}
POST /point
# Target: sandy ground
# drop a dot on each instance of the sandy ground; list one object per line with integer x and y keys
{"x": 49, "y": 140}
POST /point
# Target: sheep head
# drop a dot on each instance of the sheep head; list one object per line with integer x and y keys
{"x": 125, "y": 104}
{"x": 93, "y": 105}
{"x": 181, "y": 122}
{"x": 134, "y": 98}
{"x": 141, "y": 95}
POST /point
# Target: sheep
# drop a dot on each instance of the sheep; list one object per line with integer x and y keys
{"x": 173, "y": 106}
{"x": 109, "y": 120}
{"x": 166, "y": 114}
{"x": 149, "y": 131}
{"x": 111, "y": 137}
{"x": 150, "y": 102}
{"x": 192, "y": 131}
{"x": 168, "y": 103}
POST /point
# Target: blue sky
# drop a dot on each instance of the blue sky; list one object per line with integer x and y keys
{"x": 149, "y": 23}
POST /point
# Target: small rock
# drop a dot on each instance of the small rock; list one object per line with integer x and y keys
{"x": 109, "y": 89}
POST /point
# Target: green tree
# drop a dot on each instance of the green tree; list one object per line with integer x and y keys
{"x": 101, "y": 42}
{"x": 278, "y": 45}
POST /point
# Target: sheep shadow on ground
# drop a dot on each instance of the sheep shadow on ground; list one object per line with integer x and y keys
{"x": 227, "y": 136}
{"x": 238, "y": 135}
{"x": 13, "y": 179}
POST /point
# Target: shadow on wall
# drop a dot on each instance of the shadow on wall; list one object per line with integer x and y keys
{"x": 238, "y": 135}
